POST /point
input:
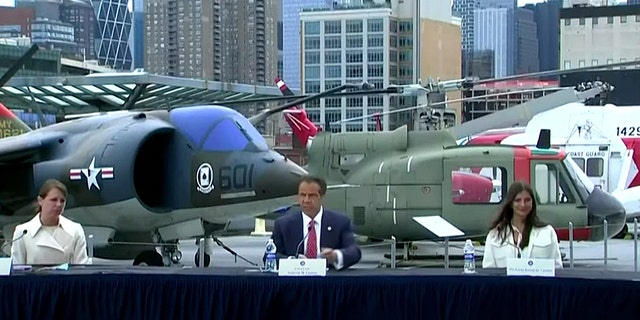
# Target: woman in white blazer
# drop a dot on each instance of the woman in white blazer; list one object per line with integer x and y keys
{"x": 518, "y": 233}
{"x": 49, "y": 238}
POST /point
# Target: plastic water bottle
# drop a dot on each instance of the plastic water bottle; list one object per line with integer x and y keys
{"x": 270, "y": 261}
{"x": 469, "y": 257}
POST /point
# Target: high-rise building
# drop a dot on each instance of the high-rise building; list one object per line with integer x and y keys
{"x": 16, "y": 22}
{"x": 137, "y": 39}
{"x": 112, "y": 33}
{"x": 377, "y": 42}
{"x": 526, "y": 42}
{"x": 495, "y": 30}
{"x": 291, "y": 37}
{"x": 221, "y": 40}
{"x": 79, "y": 14}
{"x": 547, "y": 16}
{"x": 466, "y": 10}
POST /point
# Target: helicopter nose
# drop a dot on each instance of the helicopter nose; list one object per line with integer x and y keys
{"x": 601, "y": 206}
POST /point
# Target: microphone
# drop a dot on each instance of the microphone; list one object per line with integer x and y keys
{"x": 299, "y": 244}
{"x": 6, "y": 243}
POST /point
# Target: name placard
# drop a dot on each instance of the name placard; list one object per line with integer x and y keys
{"x": 302, "y": 267}
{"x": 5, "y": 266}
{"x": 531, "y": 267}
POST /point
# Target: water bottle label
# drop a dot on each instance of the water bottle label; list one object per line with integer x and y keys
{"x": 469, "y": 256}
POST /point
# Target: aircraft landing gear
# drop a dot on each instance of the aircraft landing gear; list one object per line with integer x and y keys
{"x": 208, "y": 251}
{"x": 166, "y": 255}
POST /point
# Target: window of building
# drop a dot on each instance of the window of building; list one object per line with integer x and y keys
{"x": 332, "y": 72}
{"x": 375, "y": 70}
{"x": 354, "y": 41}
{"x": 311, "y": 86}
{"x": 581, "y": 21}
{"x": 594, "y": 62}
{"x": 354, "y": 56}
{"x": 594, "y": 20}
{"x": 637, "y": 18}
{"x": 312, "y": 27}
{"x": 405, "y": 26}
{"x": 375, "y": 40}
{"x": 354, "y": 26}
{"x": 332, "y": 27}
{"x": 567, "y": 22}
{"x": 354, "y": 102}
{"x": 567, "y": 64}
{"x": 375, "y": 25}
{"x": 581, "y": 63}
{"x": 332, "y": 56}
{"x": 609, "y": 61}
{"x": 333, "y": 103}
{"x": 311, "y": 57}
{"x": 330, "y": 84}
{"x": 375, "y": 101}
{"x": 312, "y": 72}
{"x": 375, "y": 55}
{"x": 312, "y": 42}
{"x": 332, "y": 42}
{"x": 354, "y": 71}
{"x": 610, "y": 20}
{"x": 623, "y": 19}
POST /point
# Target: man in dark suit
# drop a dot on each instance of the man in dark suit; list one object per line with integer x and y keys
{"x": 316, "y": 232}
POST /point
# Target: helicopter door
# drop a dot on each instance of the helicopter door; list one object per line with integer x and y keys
{"x": 557, "y": 199}
{"x": 472, "y": 191}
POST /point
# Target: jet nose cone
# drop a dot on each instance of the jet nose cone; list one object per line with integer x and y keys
{"x": 603, "y": 206}
{"x": 283, "y": 176}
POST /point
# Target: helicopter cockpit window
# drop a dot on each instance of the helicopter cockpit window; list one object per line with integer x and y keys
{"x": 579, "y": 162}
{"x": 551, "y": 186}
{"x": 595, "y": 167}
{"x": 478, "y": 185}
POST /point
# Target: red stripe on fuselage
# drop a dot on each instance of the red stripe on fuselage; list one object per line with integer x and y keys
{"x": 6, "y": 113}
{"x": 634, "y": 144}
{"x": 579, "y": 234}
{"x": 522, "y": 164}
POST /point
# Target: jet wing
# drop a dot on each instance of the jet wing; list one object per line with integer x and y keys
{"x": 27, "y": 147}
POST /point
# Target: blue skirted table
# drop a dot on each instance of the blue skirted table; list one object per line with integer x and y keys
{"x": 96, "y": 292}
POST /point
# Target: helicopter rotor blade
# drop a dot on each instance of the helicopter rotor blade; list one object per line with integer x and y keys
{"x": 492, "y": 95}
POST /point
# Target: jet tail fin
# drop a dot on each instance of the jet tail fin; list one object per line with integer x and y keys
{"x": 10, "y": 124}
{"x": 302, "y": 127}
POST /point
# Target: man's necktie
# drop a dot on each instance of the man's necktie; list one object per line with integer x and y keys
{"x": 312, "y": 247}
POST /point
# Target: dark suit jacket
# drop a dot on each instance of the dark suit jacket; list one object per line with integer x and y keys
{"x": 287, "y": 235}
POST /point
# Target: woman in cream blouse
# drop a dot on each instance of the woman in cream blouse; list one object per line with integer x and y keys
{"x": 49, "y": 238}
{"x": 518, "y": 233}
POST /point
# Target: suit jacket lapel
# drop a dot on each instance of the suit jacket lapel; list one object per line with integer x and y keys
{"x": 325, "y": 236}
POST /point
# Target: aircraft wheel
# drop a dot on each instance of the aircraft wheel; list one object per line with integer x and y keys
{"x": 149, "y": 258}
{"x": 207, "y": 259}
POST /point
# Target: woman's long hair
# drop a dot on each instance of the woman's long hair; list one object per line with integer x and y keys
{"x": 503, "y": 222}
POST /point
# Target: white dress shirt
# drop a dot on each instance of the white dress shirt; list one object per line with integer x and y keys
{"x": 338, "y": 264}
{"x": 543, "y": 244}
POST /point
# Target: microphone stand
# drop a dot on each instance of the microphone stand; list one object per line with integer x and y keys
{"x": 235, "y": 254}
